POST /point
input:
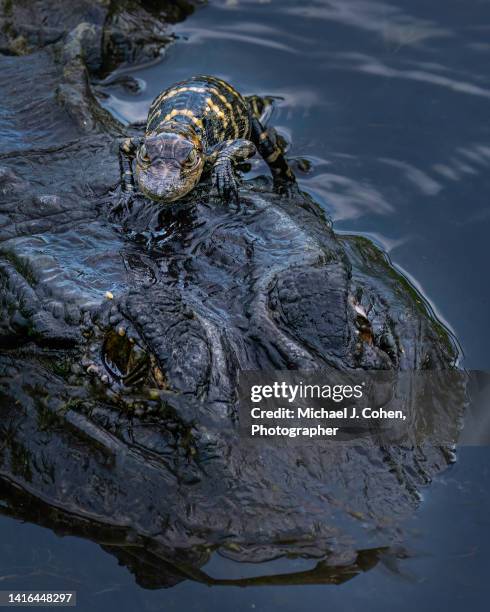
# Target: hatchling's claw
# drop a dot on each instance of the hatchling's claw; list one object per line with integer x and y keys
{"x": 122, "y": 205}
{"x": 225, "y": 181}
{"x": 286, "y": 188}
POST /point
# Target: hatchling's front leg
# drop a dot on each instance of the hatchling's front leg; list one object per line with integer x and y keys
{"x": 224, "y": 158}
{"x": 127, "y": 152}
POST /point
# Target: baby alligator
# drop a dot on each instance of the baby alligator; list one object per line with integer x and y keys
{"x": 202, "y": 123}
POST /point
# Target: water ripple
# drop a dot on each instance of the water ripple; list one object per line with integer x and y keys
{"x": 346, "y": 198}
{"x": 371, "y": 65}
{"x": 200, "y": 35}
{"x": 386, "y": 20}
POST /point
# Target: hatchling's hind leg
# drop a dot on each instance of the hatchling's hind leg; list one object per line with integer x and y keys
{"x": 260, "y": 107}
{"x": 267, "y": 142}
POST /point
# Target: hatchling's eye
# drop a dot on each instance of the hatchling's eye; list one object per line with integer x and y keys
{"x": 191, "y": 158}
{"x": 143, "y": 154}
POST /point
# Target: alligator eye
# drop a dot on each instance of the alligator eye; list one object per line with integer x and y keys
{"x": 125, "y": 361}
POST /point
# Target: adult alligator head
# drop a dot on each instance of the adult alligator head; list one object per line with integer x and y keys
{"x": 124, "y": 343}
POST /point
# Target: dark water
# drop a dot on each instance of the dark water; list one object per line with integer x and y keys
{"x": 447, "y": 568}
{"x": 390, "y": 104}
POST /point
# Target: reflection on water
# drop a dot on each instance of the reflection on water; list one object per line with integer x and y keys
{"x": 443, "y": 565}
{"x": 388, "y": 102}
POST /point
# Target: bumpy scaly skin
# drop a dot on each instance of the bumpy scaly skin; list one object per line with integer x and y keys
{"x": 198, "y": 123}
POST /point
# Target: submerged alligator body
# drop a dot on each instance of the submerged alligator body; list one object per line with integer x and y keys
{"x": 119, "y": 416}
{"x": 198, "y": 123}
